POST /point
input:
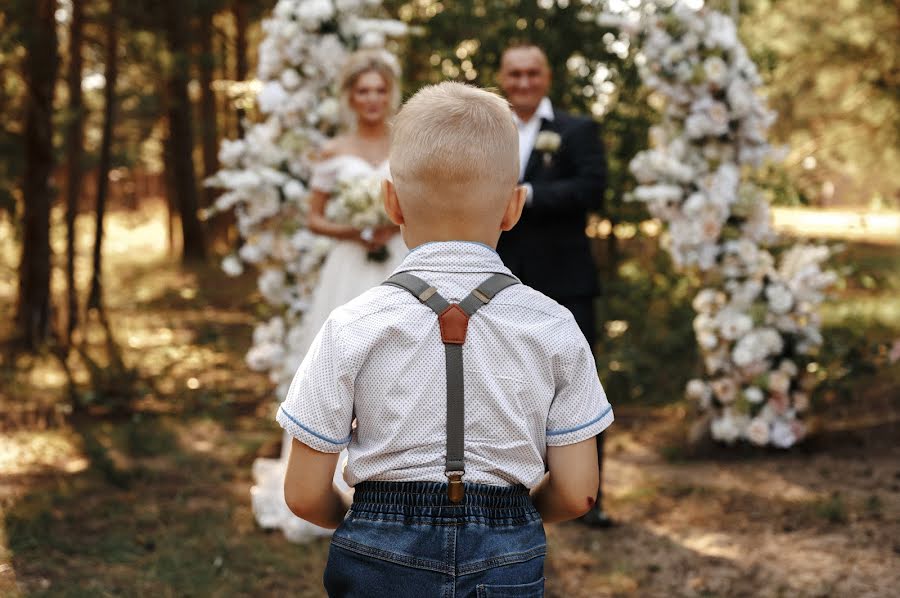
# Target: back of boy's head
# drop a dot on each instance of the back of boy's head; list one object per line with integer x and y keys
{"x": 454, "y": 153}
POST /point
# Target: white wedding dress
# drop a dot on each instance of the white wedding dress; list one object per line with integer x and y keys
{"x": 346, "y": 273}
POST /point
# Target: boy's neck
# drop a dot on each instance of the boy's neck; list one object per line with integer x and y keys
{"x": 414, "y": 239}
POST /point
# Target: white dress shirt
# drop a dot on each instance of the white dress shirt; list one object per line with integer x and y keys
{"x": 528, "y": 132}
{"x": 530, "y": 379}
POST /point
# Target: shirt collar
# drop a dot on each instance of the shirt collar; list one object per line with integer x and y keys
{"x": 453, "y": 256}
{"x": 544, "y": 110}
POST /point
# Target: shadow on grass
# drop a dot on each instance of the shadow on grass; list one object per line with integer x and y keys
{"x": 154, "y": 514}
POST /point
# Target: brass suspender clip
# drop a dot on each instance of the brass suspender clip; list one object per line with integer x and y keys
{"x": 455, "y": 489}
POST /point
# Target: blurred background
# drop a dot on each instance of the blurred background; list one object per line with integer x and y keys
{"x": 129, "y": 418}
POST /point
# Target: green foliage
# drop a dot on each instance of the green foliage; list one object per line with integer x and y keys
{"x": 463, "y": 40}
{"x": 646, "y": 350}
{"x": 831, "y": 71}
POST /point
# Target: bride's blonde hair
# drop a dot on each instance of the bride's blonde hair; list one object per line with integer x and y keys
{"x": 368, "y": 61}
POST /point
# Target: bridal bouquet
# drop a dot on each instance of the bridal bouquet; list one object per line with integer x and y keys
{"x": 359, "y": 202}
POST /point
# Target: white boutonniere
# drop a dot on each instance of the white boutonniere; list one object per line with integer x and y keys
{"x": 547, "y": 143}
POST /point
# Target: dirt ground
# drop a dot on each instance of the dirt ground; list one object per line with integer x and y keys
{"x": 156, "y": 502}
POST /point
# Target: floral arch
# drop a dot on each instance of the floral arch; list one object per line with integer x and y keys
{"x": 756, "y": 324}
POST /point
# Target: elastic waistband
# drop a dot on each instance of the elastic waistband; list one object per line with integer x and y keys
{"x": 429, "y": 501}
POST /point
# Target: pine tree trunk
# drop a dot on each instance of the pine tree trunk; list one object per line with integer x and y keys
{"x": 181, "y": 133}
{"x": 41, "y": 64}
{"x": 240, "y": 21}
{"x": 74, "y": 151}
{"x": 218, "y": 227}
{"x": 208, "y": 103}
{"x": 95, "y": 297}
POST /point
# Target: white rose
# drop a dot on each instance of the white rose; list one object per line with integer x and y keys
{"x": 707, "y": 340}
{"x": 725, "y": 389}
{"x": 272, "y": 286}
{"x": 698, "y": 390}
{"x": 726, "y": 428}
{"x": 329, "y": 110}
{"x": 782, "y": 435}
{"x": 231, "y": 152}
{"x": 251, "y": 253}
{"x": 547, "y": 141}
{"x": 707, "y": 300}
{"x": 232, "y": 266}
{"x": 789, "y": 367}
{"x": 754, "y": 394}
{"x": 780, "y": 298}
{"x": 734, "y": 325}
{"x": 271, "y": 97}
{"x": 758, "y": 432}
{"x": 779, "y": 382}
{"x": 290, "y": 79}
{"x": 294, "y": 190}
{"x": 716, "y": 70}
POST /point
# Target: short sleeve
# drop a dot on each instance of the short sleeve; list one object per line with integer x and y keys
{"x": 318, "y": 409}
{"x": 324, "y": 175}
{"x": 580, "y": 409}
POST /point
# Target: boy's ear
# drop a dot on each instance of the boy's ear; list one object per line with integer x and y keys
{"x": 514, "y": 208}
{"x": 392, "y": 203}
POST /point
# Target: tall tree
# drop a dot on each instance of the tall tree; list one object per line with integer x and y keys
{"x": 181, "y": 134}
{"x": 208, "y": 111}
{"x": 95, "y": 297}
{"x": 74, "y": 151}
{"x": 239, "y": 9}
{"x": 41, "y": 65}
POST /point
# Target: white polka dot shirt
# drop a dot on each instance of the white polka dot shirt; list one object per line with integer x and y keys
{"x": 530, "y": 379}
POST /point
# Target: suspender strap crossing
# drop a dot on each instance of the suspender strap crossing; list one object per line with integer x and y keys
{"x": 454, "y": 321}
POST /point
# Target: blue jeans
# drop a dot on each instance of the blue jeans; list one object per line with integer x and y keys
{"x": 406, "y": 539}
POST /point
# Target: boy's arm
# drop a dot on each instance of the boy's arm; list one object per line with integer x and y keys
{"x": 569, "y": 488}
{"x": 309, "y": 489}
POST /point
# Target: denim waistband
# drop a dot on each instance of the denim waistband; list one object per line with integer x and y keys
{"x": 428, "y": 500}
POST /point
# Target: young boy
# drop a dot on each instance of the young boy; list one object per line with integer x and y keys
{"x": 448, "y": 500}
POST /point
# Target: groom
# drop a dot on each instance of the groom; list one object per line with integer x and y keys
{"x": 563, "y": 168}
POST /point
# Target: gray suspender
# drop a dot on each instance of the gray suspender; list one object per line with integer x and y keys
{"x": 453, "y": 319}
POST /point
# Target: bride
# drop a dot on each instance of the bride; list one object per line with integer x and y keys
{"x": 369, "y": 94}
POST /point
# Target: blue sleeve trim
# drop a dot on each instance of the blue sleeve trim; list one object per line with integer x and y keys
{"x": 581, "y": 427}
{"x": 317, "y": 435}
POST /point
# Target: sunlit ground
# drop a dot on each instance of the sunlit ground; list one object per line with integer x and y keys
{"x": 157, "y": 502}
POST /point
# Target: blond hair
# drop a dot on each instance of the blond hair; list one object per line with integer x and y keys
{"x": 358, "y": 64}
{"x": 456, "y": 142}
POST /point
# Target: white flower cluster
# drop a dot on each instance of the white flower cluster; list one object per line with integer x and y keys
{"x": 358, "y": 202}
{"x": 758, "y": 330}
{"x": 264, "y": 175}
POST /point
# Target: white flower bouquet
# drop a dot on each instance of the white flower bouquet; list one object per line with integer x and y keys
{"x": 359, "y": 202}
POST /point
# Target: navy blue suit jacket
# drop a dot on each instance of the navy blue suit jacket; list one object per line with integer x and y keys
{"x": 548, "y": 249}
